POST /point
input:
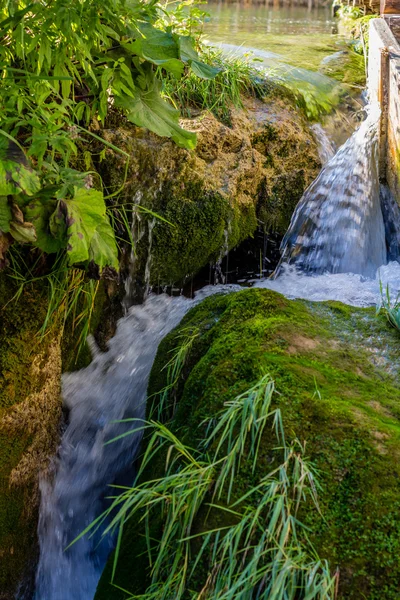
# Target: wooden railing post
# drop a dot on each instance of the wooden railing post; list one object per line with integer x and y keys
{"x": 390, "y": 7}
{"x": 383, "y": 97}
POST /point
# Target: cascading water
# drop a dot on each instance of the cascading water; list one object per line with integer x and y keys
{"x": 326, "y": 148}
{"x": 111, "y": 388}
{"x": 338, "y": 225}
{"x": 337, "y": 233}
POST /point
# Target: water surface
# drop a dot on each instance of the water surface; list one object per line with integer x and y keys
{"x": 302, "y": 37}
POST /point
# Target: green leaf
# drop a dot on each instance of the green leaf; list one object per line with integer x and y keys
{"x": 15, "y": 173}
{"x": 5, "y": 214}
{"x": 188, "y": 53}
{"x": 23, "y": 232}
{"x": 203, "y": 70}
{"x": 39, "y": 213}
{"x": 90, "y": 236}
{"x": 149, "y": 109}
{"x": 156, "y": 46}
{"x": 103, "y": 248}
{"x": 58, "y": 222}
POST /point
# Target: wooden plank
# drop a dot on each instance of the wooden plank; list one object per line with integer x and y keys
{"x": 393, "y": 22}
{"x": 390, "y": 7}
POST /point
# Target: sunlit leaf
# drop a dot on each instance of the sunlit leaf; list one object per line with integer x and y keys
{"x": 87, "y": 221}
{"x": 148, "y": 109}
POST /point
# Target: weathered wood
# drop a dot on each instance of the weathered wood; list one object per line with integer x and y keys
{"x": 390, "y": 7}
{"x": 393, "y": 22}
{"x": 383, "y": 97}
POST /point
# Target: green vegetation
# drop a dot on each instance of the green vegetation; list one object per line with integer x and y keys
{"x": 63, "y": 68}
{"x": 265, "y": 550}
{"x": 241, "y": 76}
{"x": 236, "y": 79}
{"x": 333, "y": 390}
{"x": 30, "y": 371}
{"x": 390, "y": 308}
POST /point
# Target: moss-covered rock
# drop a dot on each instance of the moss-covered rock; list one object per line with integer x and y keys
{"x": 336, "y": 372}
{"x": 30, "y": 410}
{"x": 214, "y": 196}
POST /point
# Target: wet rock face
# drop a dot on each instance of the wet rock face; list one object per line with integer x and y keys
{"x": 338, "y": 391}
{"x": 30, "y": 410}
{"x": 214, "y": 197}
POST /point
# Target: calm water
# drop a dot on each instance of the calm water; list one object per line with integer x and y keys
{"x": 302, "y": 37}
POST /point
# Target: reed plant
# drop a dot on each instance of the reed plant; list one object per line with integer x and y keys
{"x": 165, "y": 405}
{"x": 262, "y": 551}
{"x": 390, "y": 307}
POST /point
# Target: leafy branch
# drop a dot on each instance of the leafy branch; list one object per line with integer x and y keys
{"x": 63, "y": 67}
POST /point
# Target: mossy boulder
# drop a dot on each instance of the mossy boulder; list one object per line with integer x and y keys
{"x": 213, "y": 197}
{"x": 30, "y": 411}
{"x": 335, "y": 369}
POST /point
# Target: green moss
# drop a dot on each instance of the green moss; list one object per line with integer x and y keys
{"x": 19, "y": 345}
{"x": 198, "y": 234}
{"x": 337, "y": 391}
{"x": 212, "y": 197}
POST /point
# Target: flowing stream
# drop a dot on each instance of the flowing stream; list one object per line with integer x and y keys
{"x": 336, "y": 248}
{"x": 337, "y": 230}
{"x": 111, "y": 388}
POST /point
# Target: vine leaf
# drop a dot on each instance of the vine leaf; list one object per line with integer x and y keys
{"x": 16, "y": 175}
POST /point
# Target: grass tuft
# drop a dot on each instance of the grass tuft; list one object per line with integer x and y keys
{"x": 264, "y": 551}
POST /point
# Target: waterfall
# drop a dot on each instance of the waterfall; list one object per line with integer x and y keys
{"x": 337, "y": 233}
{"x": 326, "y": 148}
{"x": 338, "y": 226}
{"x": 111, "y": 388}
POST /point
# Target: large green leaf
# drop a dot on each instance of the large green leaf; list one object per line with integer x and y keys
{"x": 188, "y": 53}
{"x": 15, "y": 173}
{"x": 103, "y": 248}
{"x": 156, "y": 46}
{"x": 203, "y": 70}
{"x": 149, "y": 109}
{"x": 5, "y": 214}
{"x": 39, "y": 213}
{"x": 90, "y": 237}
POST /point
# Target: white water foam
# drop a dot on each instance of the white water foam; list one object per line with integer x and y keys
{"x": 349, "y": 288}
{"x": 111, "y": 388}
{"x": 338, "y": 226}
